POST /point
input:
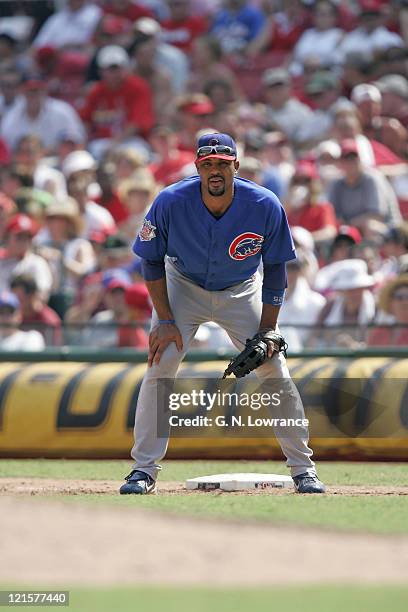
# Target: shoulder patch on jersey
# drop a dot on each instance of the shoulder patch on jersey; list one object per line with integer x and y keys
{"x": 245, "y": 245}
{"x": 147, "y": 232}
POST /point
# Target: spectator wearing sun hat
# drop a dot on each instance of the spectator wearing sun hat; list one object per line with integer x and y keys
{"x": 351, "y": 300}
{"x": 393, "y": 300}
{"x": 18, "y": 256}
{"x": 11, "y": 337}
{"x": 70, "y": 256}
{"x": 350, "y": 306}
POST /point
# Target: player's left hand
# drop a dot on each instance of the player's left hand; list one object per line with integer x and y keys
{"x": 160, "y": 338}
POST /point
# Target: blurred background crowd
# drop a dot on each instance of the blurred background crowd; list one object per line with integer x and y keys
{"x": 101, "y": 104}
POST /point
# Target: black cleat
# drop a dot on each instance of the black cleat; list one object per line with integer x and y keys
{"x": 307, "y": 483}
{"x": 138, "y": 483}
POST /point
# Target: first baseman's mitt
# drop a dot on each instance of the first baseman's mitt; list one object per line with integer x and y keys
{"x": 255, "y": 353}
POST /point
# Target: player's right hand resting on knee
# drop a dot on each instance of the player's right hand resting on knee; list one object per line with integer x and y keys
{"x": 160, "y": 337}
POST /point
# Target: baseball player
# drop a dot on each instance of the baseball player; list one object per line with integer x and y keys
{"x": 201, "y": 245}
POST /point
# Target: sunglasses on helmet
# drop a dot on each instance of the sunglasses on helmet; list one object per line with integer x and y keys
{"x": 215, "y": 150}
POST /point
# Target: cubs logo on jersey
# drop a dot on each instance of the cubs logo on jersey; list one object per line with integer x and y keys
{"x": 245, "y": 245}
{"x": 147, "y": 232}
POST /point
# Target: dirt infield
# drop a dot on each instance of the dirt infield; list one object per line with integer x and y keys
{"x": 49, "y": 542}
{"x": 48, "y": 486}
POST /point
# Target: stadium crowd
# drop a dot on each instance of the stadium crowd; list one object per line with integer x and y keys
{"x": 100, "y": 107}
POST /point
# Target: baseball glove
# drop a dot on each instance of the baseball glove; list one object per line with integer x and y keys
{"x": 255, "y": 353}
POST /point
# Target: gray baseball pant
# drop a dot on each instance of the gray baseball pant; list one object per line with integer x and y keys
{"x": 237, "y": 310}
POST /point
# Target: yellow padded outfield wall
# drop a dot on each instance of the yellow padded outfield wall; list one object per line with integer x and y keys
{"x": 87, "y": 410}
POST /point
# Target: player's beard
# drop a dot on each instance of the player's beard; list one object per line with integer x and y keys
{"x": 219, "y": 190}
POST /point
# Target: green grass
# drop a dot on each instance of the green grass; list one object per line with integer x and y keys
{"x": 381, "y": 514}
{"x": 334, "y": 473}
{"x": 338, "y": 598}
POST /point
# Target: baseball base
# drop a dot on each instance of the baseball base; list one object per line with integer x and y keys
{"x": 240, "y": 482}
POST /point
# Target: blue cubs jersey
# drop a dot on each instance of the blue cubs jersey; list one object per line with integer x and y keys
{"x": 216, "y": 253}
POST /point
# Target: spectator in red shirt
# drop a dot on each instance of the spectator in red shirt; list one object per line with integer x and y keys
{"x": 304, "y": 206}
{"x": 120, "y": 106}
{"x": 282, "y": 29}
{"x": 170, "y": 161}
{"x": 182, "y": 27}
{"x": 35, "y": 313}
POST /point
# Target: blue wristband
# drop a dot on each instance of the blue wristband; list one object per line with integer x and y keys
{"x": 166, "y": 321}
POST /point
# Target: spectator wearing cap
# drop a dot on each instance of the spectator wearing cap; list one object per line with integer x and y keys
{"x": 119, "y": 107}
{"x": 306, "y": 207}
{"x": 11, "y": 337}
{"x": 321, "y": 40}
{"x": 72, "y": 26}
{"x": 116, "y": 253}
{"x": 70, "y": 256}
{"x": 351, "y": 301}
{"x": 172, "y": 59}
{"x": 40, "y": 115}
{"x": 282, "y": 110}
{"x": 394, "y": 249}
{"x": 30, "y": 155}
{"x": 145, "y": 65}
{"x": 110, "y": 328}
{"x": 387, "y": 130}
{"x": 327, "y": 154}
{"x": 393, "y": 301}
{"x": 344, "y": 243}
{"x": 18, "y": 256}
{"x": 168, "y": 161}
{"x": 394, "y": 91}
{"x": 237, "y": 24}
{"x": 195, "y": 112}
{"x": 35, "y": 314}
{"x": 357, "y": 197}
{"x": 371, "y": 37}
{"x": 324, "y": 91}
{"x": 111, "y": 30}
{"x": 183, "y": 25}
{"x": 137, "y": 194}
